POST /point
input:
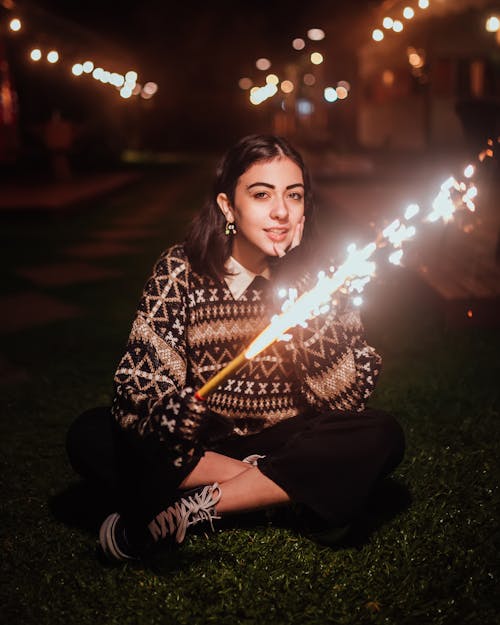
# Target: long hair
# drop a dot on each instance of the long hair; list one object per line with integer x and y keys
{"x": 207, "y": 246}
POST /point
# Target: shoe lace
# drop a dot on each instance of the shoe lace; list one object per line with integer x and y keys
{"x": 187, "y": 511}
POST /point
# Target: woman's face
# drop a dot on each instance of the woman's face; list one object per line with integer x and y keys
{"x": 268, "y": 211}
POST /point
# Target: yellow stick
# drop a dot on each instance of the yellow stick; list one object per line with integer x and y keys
{"x": 214, "y": 382}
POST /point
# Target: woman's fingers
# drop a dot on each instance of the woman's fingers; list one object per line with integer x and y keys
{"x": 299, "y": 230}
{"x": 280, "y": 250}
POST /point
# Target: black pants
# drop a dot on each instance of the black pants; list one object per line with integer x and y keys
{"x": 328, "y": 462}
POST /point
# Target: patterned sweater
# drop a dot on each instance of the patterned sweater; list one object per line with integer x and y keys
{"x": 189, "y": 326}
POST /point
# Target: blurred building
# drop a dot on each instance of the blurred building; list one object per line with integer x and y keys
{"x": 436, "y": 83}
{"x": 8, "y": 111}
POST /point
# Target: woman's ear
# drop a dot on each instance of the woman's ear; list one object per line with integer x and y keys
{"x": 225, "y": 206}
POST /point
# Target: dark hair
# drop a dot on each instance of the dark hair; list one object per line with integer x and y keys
{"x": 207, "y": 246}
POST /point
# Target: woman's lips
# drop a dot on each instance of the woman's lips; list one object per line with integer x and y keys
{"x": 277, "y": 235}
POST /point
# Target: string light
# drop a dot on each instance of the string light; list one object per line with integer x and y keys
{"x": 125, "y": 84}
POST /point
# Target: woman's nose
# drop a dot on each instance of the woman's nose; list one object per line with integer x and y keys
{"x": 279, "y": 209}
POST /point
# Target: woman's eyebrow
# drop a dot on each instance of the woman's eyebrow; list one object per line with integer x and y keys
{"x": 272, "y": 186}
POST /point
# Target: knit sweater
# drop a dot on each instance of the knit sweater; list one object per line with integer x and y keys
{"x": 189, "y": 326}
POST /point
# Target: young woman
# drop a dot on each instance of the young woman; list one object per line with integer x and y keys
{"x": 289, "y": 426}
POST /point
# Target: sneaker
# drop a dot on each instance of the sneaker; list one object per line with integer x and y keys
{"x": 194, "y": 507}
{"x": 113, "y": 540}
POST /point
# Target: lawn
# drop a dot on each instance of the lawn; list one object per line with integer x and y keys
{"x": 425, "y": 552}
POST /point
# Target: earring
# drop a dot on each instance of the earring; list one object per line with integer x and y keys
{"x": 230, "y": 228}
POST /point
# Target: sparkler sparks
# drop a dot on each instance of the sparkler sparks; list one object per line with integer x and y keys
{"x": 355, "y": 273}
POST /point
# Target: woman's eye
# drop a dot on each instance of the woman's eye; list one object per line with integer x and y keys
{"x": 260, "y": 194}
{"x": 295, "y": 195}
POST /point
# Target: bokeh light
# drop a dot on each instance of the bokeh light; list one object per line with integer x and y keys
{"x": 36, "y": 54}
{"x": 263, "y": 64}
{"x": 272, "y": 79}
{"x": 316, "y": 34}
{"x": 423, "y": 4}
{"x": 345, "y": 84}
{"x": 397, "y": 27}
{"x": 387, "y": 22}
{"x": 131, "y": 76}
{"x": 150, "y": 87}
{"x": 316, "y": 58}
{"x": 408, "y": 13}
{"x": 342, "y": 93}
{"x": 117, "y": 80}
{"x": 77, "y": 69}
{"x": 53, "y": 56}
{"x": 245, "y": 83}
{"x": 298, "y": 44}
{"x": 493, "y": 24}
{"x": 377, "y": 35}
{"x": 125, "y": 92}
{"x": 388, "y": 77}
{"x": 88, "y": 67}
{"x": 309, "y": 79}
{"x": 330, "y": 94}
{"x": 15, "y": 24}
{"x": 287, "y": 86}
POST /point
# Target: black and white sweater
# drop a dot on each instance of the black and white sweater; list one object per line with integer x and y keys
{"x": 189, "y": 326}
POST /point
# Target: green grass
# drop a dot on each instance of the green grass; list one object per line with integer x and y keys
{"x": 425, "y": 552}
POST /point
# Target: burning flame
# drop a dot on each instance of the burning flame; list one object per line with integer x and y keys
{"x": 313, "y": 302}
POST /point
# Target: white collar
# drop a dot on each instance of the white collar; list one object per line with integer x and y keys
{"x": 239, "y": 278}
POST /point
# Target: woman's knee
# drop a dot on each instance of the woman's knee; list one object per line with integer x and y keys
{"x": 89, "y": 443}
{"x": 391, "y": 439}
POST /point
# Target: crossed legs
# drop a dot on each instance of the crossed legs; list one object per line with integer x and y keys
{"x": 243, "y": 486}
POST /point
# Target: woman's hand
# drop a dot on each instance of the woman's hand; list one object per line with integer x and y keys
{"x": 281, "y": 251}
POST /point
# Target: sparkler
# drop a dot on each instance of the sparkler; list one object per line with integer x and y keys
{"x": 356, "y": 271}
